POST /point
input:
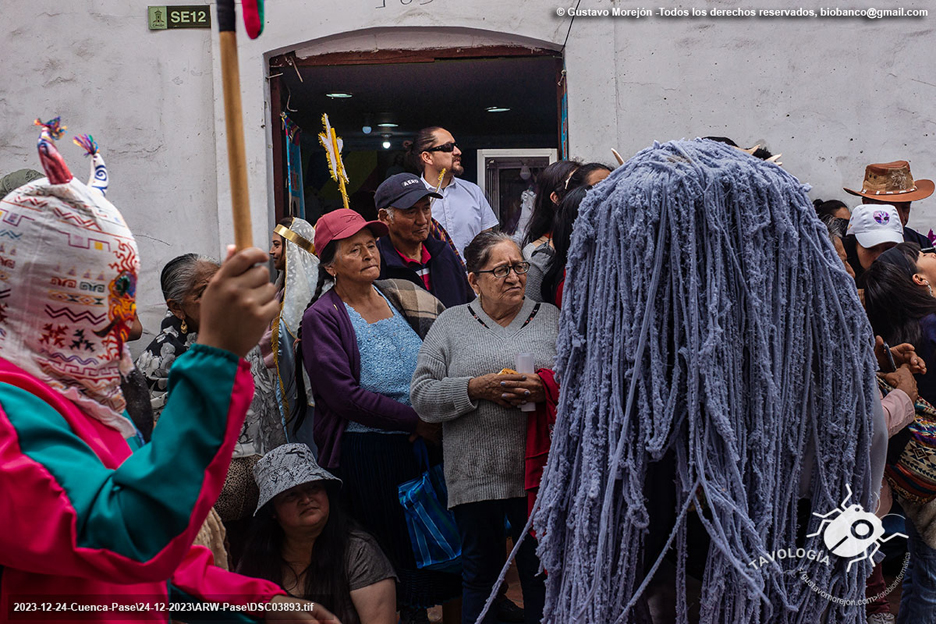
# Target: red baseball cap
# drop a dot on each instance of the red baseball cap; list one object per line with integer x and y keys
{"x": 340, "y": 224}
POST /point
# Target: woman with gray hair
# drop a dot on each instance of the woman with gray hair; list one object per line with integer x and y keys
{"x": 459, "y": 382}
{"x": 183, "y": 281}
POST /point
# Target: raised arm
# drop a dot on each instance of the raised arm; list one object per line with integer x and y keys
{"x": 135, "y": 521}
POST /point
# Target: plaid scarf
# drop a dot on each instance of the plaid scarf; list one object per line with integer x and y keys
{"x": 415, "y": 303}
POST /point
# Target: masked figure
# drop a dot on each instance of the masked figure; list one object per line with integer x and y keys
{"x": 84, "y": 514}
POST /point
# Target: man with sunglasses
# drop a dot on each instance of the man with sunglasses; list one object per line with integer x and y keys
{"x": 408, "y": 251}
{"x": 463, "y": 211}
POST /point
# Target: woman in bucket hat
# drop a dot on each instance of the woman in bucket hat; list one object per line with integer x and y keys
{"x": 304, "y": 541}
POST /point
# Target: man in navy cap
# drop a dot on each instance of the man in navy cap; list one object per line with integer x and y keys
{"x": 409, "y": 252}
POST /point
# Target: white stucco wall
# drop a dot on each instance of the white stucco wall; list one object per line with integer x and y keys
{"x": 831, "y": 94}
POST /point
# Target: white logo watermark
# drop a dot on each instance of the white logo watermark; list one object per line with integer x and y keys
{"x": 848, "y": 532}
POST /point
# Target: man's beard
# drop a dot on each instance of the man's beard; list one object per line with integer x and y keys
{"x": 457, "y": 168}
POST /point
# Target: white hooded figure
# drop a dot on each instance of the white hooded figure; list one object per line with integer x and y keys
{"x": 298, "y": 283}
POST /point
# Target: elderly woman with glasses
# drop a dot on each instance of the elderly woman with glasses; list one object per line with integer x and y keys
{"x": 458, "y": 383}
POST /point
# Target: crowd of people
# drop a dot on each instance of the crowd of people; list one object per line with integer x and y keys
{"x": 382, "y": 342}
{"x": 893, "y": 266}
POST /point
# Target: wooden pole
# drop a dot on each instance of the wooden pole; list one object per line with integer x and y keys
{"x": 234, "y": 126}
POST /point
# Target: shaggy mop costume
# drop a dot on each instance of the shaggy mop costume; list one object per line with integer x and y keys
{"x": 90, "y": 517}
{"x": 708, "y": 323}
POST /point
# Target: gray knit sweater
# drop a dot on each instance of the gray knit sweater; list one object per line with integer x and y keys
{"x": 484, "y": 444}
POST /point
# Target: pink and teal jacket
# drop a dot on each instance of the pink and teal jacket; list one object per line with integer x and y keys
{"x": 88, "y": 517}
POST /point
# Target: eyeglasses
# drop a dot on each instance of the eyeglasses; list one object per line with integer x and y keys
{"x": 504, "y": 270}
{"x": 445, "y": 147}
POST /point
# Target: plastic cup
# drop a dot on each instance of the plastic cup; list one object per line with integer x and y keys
{"x": 524, "y": 365}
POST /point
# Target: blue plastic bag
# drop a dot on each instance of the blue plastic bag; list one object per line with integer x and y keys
{"x": 433, "y": 533}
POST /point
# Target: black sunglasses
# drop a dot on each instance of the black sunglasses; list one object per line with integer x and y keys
{"x": 445, "y": 147}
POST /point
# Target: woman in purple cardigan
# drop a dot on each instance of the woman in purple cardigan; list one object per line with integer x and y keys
{"x": 359, "y": 342}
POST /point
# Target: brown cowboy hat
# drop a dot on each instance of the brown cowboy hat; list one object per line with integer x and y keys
{"x": 893, "y": 182}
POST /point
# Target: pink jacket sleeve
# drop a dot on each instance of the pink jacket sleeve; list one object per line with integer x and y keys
{"x": 898, "y": 411}
{"x": 199, "y": 578}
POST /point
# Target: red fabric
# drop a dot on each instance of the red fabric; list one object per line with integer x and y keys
{"x": 876, "y": 585}
{"x": 539, "y": 435}
{"x": 253, "y": 17}
{"x": 38, "y": 544}
{"x": 559, "y": 290}
{"x": 198, "y": 576}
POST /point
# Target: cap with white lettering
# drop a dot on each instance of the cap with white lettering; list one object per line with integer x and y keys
{"x": 402, "y": 191}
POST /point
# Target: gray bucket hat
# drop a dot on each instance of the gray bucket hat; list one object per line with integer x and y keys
{"x": 286, "y": 467}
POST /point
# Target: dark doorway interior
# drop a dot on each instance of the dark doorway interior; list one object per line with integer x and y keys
{"x": 435, "y": 90}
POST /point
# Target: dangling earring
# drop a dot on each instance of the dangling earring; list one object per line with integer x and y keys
{"x": 184, "y": 327}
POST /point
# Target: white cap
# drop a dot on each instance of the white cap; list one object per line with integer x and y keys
{"x": 873, "y": 224}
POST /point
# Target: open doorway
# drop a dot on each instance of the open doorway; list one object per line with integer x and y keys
{"x": 503, "y": 98}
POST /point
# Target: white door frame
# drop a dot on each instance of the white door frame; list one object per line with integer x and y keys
{"x": 530, "y": 152}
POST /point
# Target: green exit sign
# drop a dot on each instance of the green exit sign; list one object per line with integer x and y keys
{"x": 169, "y": 17}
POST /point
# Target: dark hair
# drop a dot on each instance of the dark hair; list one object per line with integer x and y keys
{"x": 326, "y": 577}
{"x": 910, "y": 251}
{"x": 580, "y": 176}
{"x": 724, "y": 140}
{"x": 326, "y": 256}
{"x": 478, "y": 251}
{"x": 178, "y": 276}
{"x": 850, "y": 243}
{"x": 894, "y": 302}
{"x": 760, "y": 152}
{"x": 828, "y": 207}
{"x": 286, "y": 222}
{"x": 550, "y": 180}
{"x": 562, "y": 239}
{"x": 423, "y": 141}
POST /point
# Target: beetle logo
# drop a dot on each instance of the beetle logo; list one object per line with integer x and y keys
{"x": 851, "y": 530}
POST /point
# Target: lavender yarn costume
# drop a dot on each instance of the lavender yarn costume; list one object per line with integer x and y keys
{"x": 706, "y": 314}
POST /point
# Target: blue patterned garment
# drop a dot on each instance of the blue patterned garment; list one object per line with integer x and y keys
{"x": 388, "y": 358}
